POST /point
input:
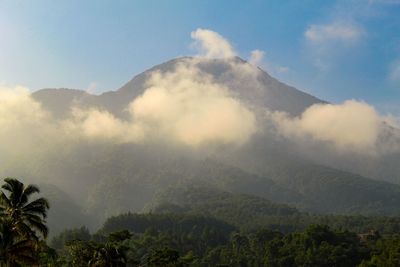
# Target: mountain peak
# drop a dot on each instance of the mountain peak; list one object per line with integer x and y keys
{"x": 246, "y": 82}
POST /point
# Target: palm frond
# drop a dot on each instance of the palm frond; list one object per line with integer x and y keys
{"x": 37, "y": 223}
{"x": 4, "y": 200}
{"x": 15, "y": 188}
{"x": 38, "y": 206}
{"x": 24, "y": 230}
{"x": 27, "y": 191}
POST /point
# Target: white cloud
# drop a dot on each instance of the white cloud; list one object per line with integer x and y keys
{"x": 24, "y": 125}
{"x": 211, "y": 44}
{"x": 345, "y": 33}
{"x": 184, "y": 106}
{"x": 352, "y": 125}
{"x": 392, "y": 121}
{"x": 101, "y": 125}
{"x": 282, "y": 69}
{"x": 92, "y": 88}
{"x": 256, "y": 57}
{"x": 187, "y": 106}
{"x": 327, "y": 42}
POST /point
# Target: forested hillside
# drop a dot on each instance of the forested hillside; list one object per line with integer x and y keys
{"x": 196, "y": 227}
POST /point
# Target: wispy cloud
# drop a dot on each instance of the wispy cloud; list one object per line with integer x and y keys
{"x": 256, "y": 57}
{"x": 326, "y": 42}
{"x": 92, "y": 88}
{"x": 387, "y": 2}
{"x": 282, "y": 69}
{"x": 323, "y": 34}
{"x": 394, "y": 73}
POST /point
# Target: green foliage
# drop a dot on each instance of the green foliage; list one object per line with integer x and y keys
{"x": 165, "y": 257}
{"x": 14, "y": 250}
{"x": 79, "y": 253}
{"x": 317, "y": 246}
{"x": 27, "y": 217}
{"x": 212, "y": 228}
{"x": 109, "y": 255}
{"x": 237, "y": 209}
{"x": 248, "y": 213}
{"x": 64, "y": 237}
{"x": 386, "y": 252}
{"x": 188, "y": 240}
{"x": 21, "y": 224}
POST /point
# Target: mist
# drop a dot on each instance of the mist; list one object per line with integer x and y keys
{"x": 213, "y": 106}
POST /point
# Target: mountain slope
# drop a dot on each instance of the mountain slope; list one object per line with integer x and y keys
{"x": 115, "y": 178}
{"x": 256, "y": 87}
{"x": 237, "y": 209}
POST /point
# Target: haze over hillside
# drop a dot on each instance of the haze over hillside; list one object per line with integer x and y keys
{"x": 218, "y": 123}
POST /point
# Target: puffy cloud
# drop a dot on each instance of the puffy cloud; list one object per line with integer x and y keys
{"x": 187, "y": 106}
{"x": 211, "y": 44}
{"x": 335, "y": 32}
{"x": 352, "y": 125}
{"x": 184, "y": 106}
{"x": 17, "y": 107}
{"x": 102, "y": 125}
{"x": 22, "y": 120}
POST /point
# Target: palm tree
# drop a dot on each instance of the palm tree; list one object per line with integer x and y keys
{"x": 109, "y": 255}
{"x": 14, "y": 251}
{"x": 27, "y": 217}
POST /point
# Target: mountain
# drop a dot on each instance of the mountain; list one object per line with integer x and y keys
{"x": 108, "y": 179}
{"x": 64, "y": 211}
{"x": 258, "y": 88}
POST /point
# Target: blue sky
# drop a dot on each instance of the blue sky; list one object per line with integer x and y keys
{"x": 336, "y": 50}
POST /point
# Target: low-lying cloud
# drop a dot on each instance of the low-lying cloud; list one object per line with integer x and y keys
{"x": 23, "y": 122}
{"x": 184, "y": 106}
{"x": 187, "y": 105}
{"x": 352, "y": 125}
{"x": 101, "y": 125}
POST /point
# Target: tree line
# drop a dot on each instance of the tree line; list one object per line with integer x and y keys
{"x": 176, "y": 239}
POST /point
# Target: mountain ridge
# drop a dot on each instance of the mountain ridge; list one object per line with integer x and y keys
{"x": 292, "y": 101}
{"x": 125, "y": 177}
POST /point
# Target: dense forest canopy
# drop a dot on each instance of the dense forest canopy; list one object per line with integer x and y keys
{"x": 213, "y": 233}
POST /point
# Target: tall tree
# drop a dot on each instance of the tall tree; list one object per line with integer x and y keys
{"x": 27, "y": 217}
{"x": 109, "y": 255}
{"x": 14, "y": 251}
